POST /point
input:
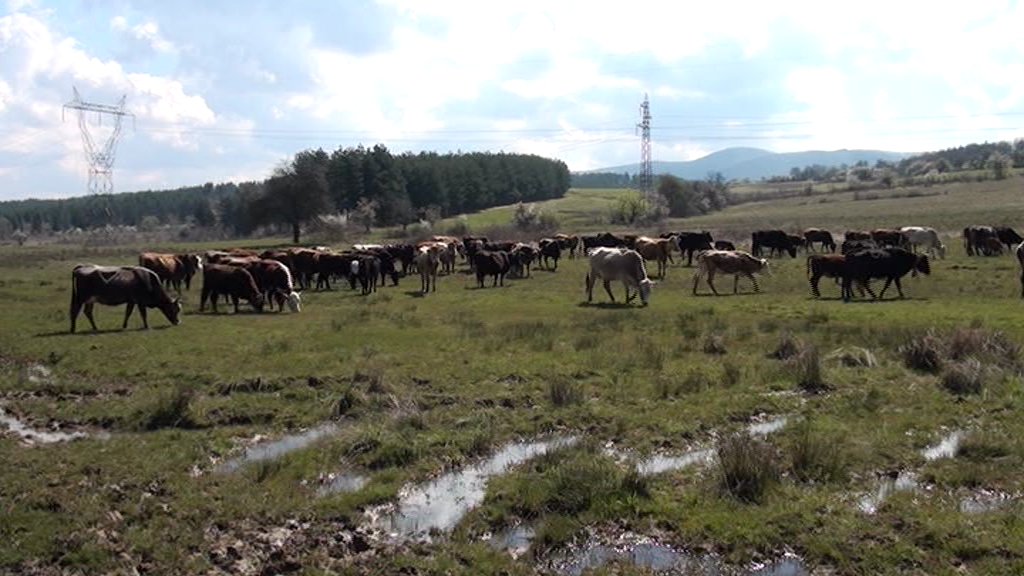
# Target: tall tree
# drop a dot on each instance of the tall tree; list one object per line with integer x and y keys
{"x": 297, "y": 191}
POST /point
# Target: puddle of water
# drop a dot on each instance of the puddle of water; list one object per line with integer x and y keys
{"x": 33, "y": 436}
{"x": 946, "y": 448}
{"x": 515, "y": 540}
{"x": 663, "y": 463}
{"x": 768, "y": 426}
{"x": 657, "y": 557}
{"x": 985, "y": 501}
{"x": 341, "y": 483}
{"x": 277, "y": 448}
{"x": 438, "y": 505}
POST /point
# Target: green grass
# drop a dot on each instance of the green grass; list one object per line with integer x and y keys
{"x": 421, "y": 384}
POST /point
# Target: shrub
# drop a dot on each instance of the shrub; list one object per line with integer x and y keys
{"x": 923, "y": 353}
{"x": 349, "y": 400}
{"x": 732, "y": 374}
{"x": 787, "y": 347}
{"x": 807, "y": 368}
{"x": 714, "y": 344}
{"x": 564, "y": 391}
{"x": 747, "y": 467}
{"x": 854, "y": 357}
{"x": 170, "y": 409}
{"x": 816, "y": 457}
{"x": 961, "y": 378}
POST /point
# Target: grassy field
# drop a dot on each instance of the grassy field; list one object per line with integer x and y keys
{"x": 418, "y": 385}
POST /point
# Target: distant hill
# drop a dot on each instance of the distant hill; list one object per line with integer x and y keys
{"x": 754, "y": 163}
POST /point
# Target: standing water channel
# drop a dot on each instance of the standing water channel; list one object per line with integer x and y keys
{"x": 908, "y": 480}
{"x": 438, "y": 505}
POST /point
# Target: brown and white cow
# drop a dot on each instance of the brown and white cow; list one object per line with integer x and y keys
{"x": 173, "y": 269}
{"x": 116, "y": 285}
{"x": 735, "y": 262}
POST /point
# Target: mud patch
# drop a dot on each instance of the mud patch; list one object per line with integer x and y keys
{"x": 438, "y": 505}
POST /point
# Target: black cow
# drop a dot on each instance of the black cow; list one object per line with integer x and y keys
{"x": 113, "y": 286}
{"x": 491, "y": 263}
{"x": 857, "y": 245}
{"x": 814, "y": 236}
{"x": 385, "y": 264}
{"x": 889, "y": 263}
{"x": 364, "y": 268}
{"x": 975, "y": 239}
{"x": 550, "y": 249}
{"x": 498, "y": 246}
{"x": 332, "y": 266}
{"x": 602, "y": 240}
{"x": 725, "y": 245}
{"x": 691, "y": 243}
{"x": 1008, "y": 236}
{"x": 405, "y": 254}
{"x": 777, "y": 240}
{"x": 233, "y": 282}
{"x": 895, "y": 238}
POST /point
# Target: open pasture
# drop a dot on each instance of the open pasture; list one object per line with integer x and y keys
{"x": 414, "y": 385}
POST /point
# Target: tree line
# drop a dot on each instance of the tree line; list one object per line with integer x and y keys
{"x": 371, "y": 185}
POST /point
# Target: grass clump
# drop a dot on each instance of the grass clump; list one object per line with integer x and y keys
{"x": 787, "y": 348}
{"x": 714, "y": 344}
{"x": 815, "y": 456}
{"x": 963, "y": 378}
{"x": 981, "y": 446}
{"x": 564, "y": 391}
{"x": 747, "y": 467}
{"x": 923, "y": 353}
{"x": 171, "y": 408}
{"x": 806, "y": 367}
{"x": 732, "y": 374}
{"x": 854, "y": 357}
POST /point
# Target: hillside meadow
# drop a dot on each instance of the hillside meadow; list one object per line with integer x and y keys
{"x": 396, "y": 388}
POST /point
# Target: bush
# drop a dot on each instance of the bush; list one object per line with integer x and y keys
{"x": 529, "y": 218}
{"x": 787, "y": 348}
{"x": 747, "y": 467}
{"x": 564, "y": 391}
{"x": 732, "y": 374}
{"x": 923, "y": 353}
{"x": 170, "y": 409}
{"x": 714, "y": 344}
{"x": 815, "y": 456}
{"x": 807, "y": 367}
{"x": 961, "y": 378}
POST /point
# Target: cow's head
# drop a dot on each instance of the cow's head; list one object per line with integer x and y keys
{"x": 940, "y": 250}
{"x": 172, "y": 310}
{"x": 294, "y": 301}
{"x": 792, "y": 251}
{"x": 922, "y": 265}
{"x": 645, "y": 290}
{"x": 257, "y": 302}
{"x": 766, "y": 266}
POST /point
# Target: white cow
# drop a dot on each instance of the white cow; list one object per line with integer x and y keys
{"x": 618, "y": 264}
{"x": 926, "y": 238}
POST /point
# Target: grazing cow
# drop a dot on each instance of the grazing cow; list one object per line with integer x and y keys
{"x": 173, "y": 269}
{"x": 856, "y": 235}
{"x": 884, "y": 237}
{"x": 428, "y": 259}
{"x": 724, "y": 245}
{"x": 975, "y": 237}
{"x": 798, "y": 241}
{"x": 656, "y": 249}
{"x": 116, "y": 285}
{"x": 814, "y": 236}
{"x": 889, "y": 263}
{"x": 491, "y": 263}
{"x": 610, "y": 264}
{"x": 550, "y": 249}
{"x": 925, "y": 238}
{"x": 231, "y": 281}
{"x": 364, "y": 268}
{"x": 691, "y": 243}
{"x": 302, "y": 265}
{"x": 777, "y": 240}
{"x": 735, "y": 262}
{"x": 990, "y": 246}
{"x": 1008, "y": 236}
{"x": 1020, "y": 260}
{"x": 274, "y": 280}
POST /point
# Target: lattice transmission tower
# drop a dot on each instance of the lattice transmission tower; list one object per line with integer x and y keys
{"x": 646, "y": 184}
{"x": 100, "y": 158}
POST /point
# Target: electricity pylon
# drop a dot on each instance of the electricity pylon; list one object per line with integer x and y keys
{"x": 100, "y": 159}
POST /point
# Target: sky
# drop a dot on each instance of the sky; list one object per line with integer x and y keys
{"x": 226, "y": 90}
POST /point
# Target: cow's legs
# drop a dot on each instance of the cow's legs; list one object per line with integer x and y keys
{"x": 696, "y": 280}
{"x": 757, "y": 289}
{"x": 76, "y": 307}
{"x": 814, "y": 286}
{"x": 629, "y": 297}
{"x": 899, "y": 288}
{"x": 590, "y": 287}
{"x": 608, "y": 289}
{"x": 888, "y": 281}
{"x": 145, "y": 321}
{"x": 711, "y": 280}
{"x": 434, "y": 277}
{"x": 127, "y": 314}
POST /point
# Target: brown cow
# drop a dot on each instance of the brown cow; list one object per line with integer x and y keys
{"x": 173, "y": 269}
{"x": 233, "y": 282}
{"x": 116, "y": 285}
{"x": 657, "y": 249}
{"x": 734, "y": 262}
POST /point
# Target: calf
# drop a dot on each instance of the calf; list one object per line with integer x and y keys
{"x": 724, "y": 245}
{"x": 733, "y": 262}
{"x": 550, "y": 249}
{"x": 230, "y": 281}
{"x": 814, "y": 236}
{"x": 975, "y": 237}
{"x": 776, "y": 240}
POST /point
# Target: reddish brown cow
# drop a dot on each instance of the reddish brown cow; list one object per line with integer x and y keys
{"x": 233, "y": 282}
{"x": 116, "y": 285}
{"x": 173, "y": 269}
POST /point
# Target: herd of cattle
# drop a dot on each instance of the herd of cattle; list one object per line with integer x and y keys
{"x": 277, "y": 276}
